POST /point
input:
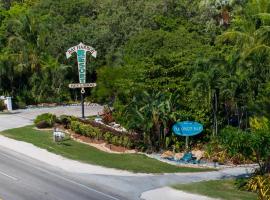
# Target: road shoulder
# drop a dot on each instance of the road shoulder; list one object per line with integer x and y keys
{"x": 171, "y": 194}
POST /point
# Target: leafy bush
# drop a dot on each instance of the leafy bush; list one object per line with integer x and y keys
{"x": 2, "y": 105}
{"x": 250, "y": 145}
{"x": 261, "y": 185}
{"x": 104, "y": 129}
{"x": 108, "y": 137}
{"x": 259, "y": 123}
{"x": 95, "y": 133}
{"x": 42, "y": 124}
{"x": 215, "y": 151}
{"x": 46, "y": 120}
{"x": 126, "y": 142}
{"x": 65, "y": 120}
{"x": 234, "y": 140}
{"x": 115, "y": 140}
{"x": 75, "y": 126}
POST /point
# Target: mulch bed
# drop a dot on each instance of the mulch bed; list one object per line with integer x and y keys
{"x": 86, "y": 139}
{"x": 116, "y": 148}
{"x": 94, "y": 141}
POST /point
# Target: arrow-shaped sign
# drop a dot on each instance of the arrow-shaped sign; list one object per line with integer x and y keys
{"x": 81, "y": 51}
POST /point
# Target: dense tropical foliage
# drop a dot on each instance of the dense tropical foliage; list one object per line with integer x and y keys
{"x": 159, "y": 61}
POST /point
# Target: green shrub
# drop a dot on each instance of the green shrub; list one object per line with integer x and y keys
{"x": 94, "y": 132}
{"x": 126, "y": 142}
{"x": 42, "y": 124}
{"x": 249, "y": 145}
{"x": 89, "y": 131}
{"x": 108, "y": 137}
{"x": 115, "y": 140}
{"x": 75, "y": 126}
{"x": 46, "y": 119}
{"x": 85, "y": 129}
{"x": 65, "y": 120}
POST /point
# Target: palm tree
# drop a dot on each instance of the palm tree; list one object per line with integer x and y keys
{"x": 253, "y": 42}
{"x": 205, "y": 85}
{"x": 253, "y": 38}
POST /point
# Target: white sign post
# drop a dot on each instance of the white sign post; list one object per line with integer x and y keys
{"x": 81, "y": 51}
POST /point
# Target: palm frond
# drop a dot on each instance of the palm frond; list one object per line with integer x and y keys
{"x": 263, "y": 35}
{"x": 265, "y": 17}
{"x": 15, "y": 40}
{"x": 237, "y": 38}
{"x": 257, "y": 49}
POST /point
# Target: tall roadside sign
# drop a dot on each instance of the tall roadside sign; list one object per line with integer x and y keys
{"x": 81, "y": 51}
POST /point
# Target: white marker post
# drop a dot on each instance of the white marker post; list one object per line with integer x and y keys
{"x": 81, "y": 51}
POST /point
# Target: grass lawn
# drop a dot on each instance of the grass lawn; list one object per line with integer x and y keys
{"x": 222, "y": 189}
{"x": 82, "y": 152}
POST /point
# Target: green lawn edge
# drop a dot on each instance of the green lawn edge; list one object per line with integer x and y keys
{"x": 221, "y": 189}
{"x": 71, "y": 149}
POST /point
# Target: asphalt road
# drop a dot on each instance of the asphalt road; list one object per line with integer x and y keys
{"x": 24, "y": 179}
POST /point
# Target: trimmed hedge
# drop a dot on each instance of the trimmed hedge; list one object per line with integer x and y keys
{"x": 95, "y": 133}
{"x": 65, "y": 120}
{"x": 104, "y": 129}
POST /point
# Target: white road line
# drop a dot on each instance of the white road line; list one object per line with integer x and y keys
{"x": 11, "y": 177}
{"x": 61, "y": 177}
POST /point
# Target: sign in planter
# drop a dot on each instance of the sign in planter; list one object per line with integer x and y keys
{"x": 187, "y": 128}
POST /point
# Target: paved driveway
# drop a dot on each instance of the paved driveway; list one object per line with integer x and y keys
{"x": 21, "y": 118}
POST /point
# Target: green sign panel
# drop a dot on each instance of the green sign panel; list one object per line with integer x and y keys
{"x": 81, "y": 51}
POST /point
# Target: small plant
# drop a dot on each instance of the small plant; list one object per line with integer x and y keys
{"x": 108, "y": 137}
{"x": 46, "y": 120}
{"x": 107, "y": 116}
{"x": 75, "y": 126}
{"x": 261, "y": 185}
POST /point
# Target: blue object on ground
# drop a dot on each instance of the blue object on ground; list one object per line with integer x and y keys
{"x": 187, "y": 157}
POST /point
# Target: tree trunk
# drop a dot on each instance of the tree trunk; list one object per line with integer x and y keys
{"x": 215, "y": 108}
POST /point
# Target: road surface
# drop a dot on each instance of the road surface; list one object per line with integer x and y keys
{"x": 24, "y": 179}
{"x": 19, "y": 118}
